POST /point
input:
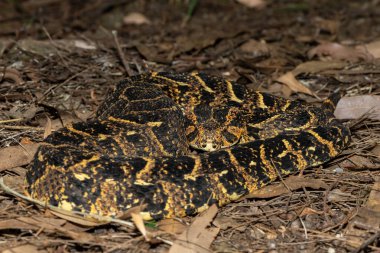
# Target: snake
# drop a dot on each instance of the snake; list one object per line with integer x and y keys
{"x": 176, "y": 143}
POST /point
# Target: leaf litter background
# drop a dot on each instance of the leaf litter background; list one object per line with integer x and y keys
{"x": 58, "y": 59}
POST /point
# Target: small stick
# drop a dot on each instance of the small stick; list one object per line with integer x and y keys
{"x": 121, "y": 55}
{"x": 22, "y": 128}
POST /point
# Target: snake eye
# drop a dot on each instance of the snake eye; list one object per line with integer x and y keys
{"x": 203, "y": 145}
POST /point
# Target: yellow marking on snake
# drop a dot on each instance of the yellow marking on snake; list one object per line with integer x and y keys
{"x": 202, "y": 83}
{"x": 231, "y": 92}
{"x": 329, "y": 144}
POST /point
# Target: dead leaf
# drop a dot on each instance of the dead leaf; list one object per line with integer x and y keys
{"x": 376, "y": 150}
{"x": 26, "y": 113}
{"x": 290, "y": 80}
{"x": 373, "y": 201}
{"x": 358, "y": 106}
{"x": 15, "y": 156}
{"x": 255, "y": 48}
{"x": 307, "y": 211}
{"x": 139, "y": 223}
{"x": 171, "y": 226}
{"x": 253, "y": 3}
{"x": 47, "y": 130}
{"x": 198, "y": 236}
{"x": 135, "y": 18}
{"x": 372, "y": 48}
{"x": 313, "y": 67}
{"x": 359, "y": 162}
{"x": 339, "y": 52}
{"x": 76, "y": 219}
{"x": 292, "y": 182}
{"x": 24, "y": 248}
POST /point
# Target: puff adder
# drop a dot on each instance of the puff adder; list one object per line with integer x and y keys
{"x": 179, "y": 143}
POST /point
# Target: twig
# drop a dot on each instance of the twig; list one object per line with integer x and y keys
{"x": 121, "y": 55}
{"x": 22, "y": 128}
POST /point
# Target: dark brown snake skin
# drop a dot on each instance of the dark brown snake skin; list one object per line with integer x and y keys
{"x": 140, "y": 147}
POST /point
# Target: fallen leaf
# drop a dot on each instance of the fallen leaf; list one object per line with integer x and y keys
{"x": 359, "y": 162}
{"x": 47, "y": 130}
{"x": 255, "y": 48}
{"x": 358, "y": 106}
{"x": 171, "y": 226}
{"x": 290, "y": 183}
{"x": 339, "y": 52}
{"x": 24, "y": 248}
{"x": 253, "y": 3}
{"x": 372, "y": 48}
{"x": 307, "y": 211}
{"x": 135, "y": 18}
{"x": 313, "y": 67}
{"x": 290, "y": 80}
{"x": 139, "y": 223}
{"x": 373, "y": 201}
{"x": 15, "y": 156}
{"x": 376, "y": 150}
{"x": 198, "y": 236}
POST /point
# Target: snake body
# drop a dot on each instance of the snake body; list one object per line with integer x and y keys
{"x": 139, "y": 149}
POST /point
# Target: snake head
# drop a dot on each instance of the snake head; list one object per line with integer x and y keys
{"x": 214, "y": 128}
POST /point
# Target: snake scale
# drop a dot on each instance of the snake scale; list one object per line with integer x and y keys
{"x": 179, "y": 143}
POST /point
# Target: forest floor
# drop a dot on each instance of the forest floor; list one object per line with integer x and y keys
{"x": 59, "y": 58}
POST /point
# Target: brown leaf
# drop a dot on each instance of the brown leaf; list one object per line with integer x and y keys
{"x": 307, "y": 211}
{"x": 289, "y": 79}
{"x": 197, "y": 237}
{"x": 312, "y": 67}
{"x": 372, "y": 48}
{"x": 253, "y": 3}
{"x": 358, "y": 106}
{"x": 255, "y": 48}
{"x": 76, "y": 219}
{"x": 47, "y": 130}
{"x": 291, "y": 182}
{"x": 373, "y": 201}
{"x": 139, "y": 223}
{"x": 17, "y": 155}
{"x": 135, "y": 18}
{"x": 339, "y": 52}
{"x": 171, "y": 226}
{"x": 359, "y": 162}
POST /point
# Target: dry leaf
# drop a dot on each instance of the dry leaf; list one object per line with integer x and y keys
{"x": 29, "y": 248}
{"x": 307, "y": 211}
{"x": 289, "y": 79}
{"x": 15, "y": 156}
{"x": 139, "y": 223}
{"x": 135, "y": 18}
{"x": 255, "y": 48}
{"x": 253, "y": 3}
{"x": 197, "y": 238}
{"x": 312, "y": 67}
{"x": 372, "y": 48}
{"x": 359, "y": 162}
{"x": 291, "y": 182}
{"x": 83, "y": 221}
{"x": 171, "y": 226}
{"x": 47, "y": 130}
{"x": 358, "y": 106}
{"x": 373, "y": 201}
{"x": 339, "y": 52}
